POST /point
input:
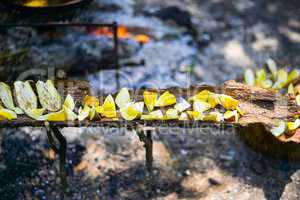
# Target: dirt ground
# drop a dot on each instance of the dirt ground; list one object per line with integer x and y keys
{"x": 208, "y": 163}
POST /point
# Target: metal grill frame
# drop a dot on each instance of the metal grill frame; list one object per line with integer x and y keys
{"x": 113, "y": 26}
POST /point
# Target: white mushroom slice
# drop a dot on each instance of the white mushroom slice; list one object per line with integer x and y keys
{"x": 26, "y": 98}
{"x": 49, "y": 98}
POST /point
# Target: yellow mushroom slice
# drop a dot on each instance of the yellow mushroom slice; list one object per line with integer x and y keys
{"x": 291, "y": 89}
{"x": 279, "y": 128}
{"x": 206, "y": 96}
{"x": 154, "y": 115}
{"x": 8, "y": 114}
{"x": 35, "y": 113}
{"x": 109, "y": 107}
{"x": 150, "y": 99}
{"x": 91, "y": 101}
{"x": 93, "y": 113}
{"x": 293, "y": 75}
{"x": 183, "y": 116}
{"x": 249, "y": 77}
{"x": 166, "y": 99}
{"x": 201, "y": 106}
{"x": 297, "y": 89}
{"x": 6, "y": 96}
{"x": 171, "y": 114}
{"x": 70, "y": 115}
{"x": 272, "y": 67}
{"x": 49, "y": 97}
{"x": 261, "y": 76}
{"x": 201, "y": 96}
{"x": 232, "y": 116}
{"x": 19, "y": 111}
{"x": 123, "y": 98}
{"x": 293, "y": 125}
{"x": 69, "y": 102}
{"x": 213, "y": 116}
{"x": 99, "y": 109}
{"x": 25, "y": 96}
{"x": 213, "y": 100}
{"x": 83, "y": 113}
{"x": 132, "y": 110}
{"x": 68, "y": 107}
{"x": 282, "y": 77}
{"x": 59, "y": 116}
{"x": 298, "y": 99}
{"x": 267, "y": 83}
{"x": 261, "y": 79}
{"x": 195, "y": 115}
{"x": 228, "y": 102}
{"x": 182, "y": 105}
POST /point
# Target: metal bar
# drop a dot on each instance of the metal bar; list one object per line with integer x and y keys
{"x": 116, "y": 52}
{"x": 58, "y": 24}
{"x": 51, "y": 139}
{"x": 146, "y": 138}
{"x": 62, "y": 157}
{"x": 109, "y": 123}
{"x": 149, "y": 151}
{"x": 113, "y": 26}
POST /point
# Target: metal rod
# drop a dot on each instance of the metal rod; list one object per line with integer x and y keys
{"x": 61, "y": 150}
{"x": 58, "y": 24}
{"x": 148, "y": 145}
{"x": 149, "y": 151}
{"x": 145, "y": 136}
{"x": 113, "y": 26}
{"x": 51, "y": 139}
{"x": 116, "y": 52}
{"x": 62, "y": 156}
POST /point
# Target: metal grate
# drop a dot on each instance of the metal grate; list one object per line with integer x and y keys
{"x": 113, "y": 26}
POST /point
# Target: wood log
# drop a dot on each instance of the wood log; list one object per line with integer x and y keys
{"x": 261, "y": 109}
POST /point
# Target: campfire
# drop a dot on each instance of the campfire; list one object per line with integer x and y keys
{"x": 122, "y": 33}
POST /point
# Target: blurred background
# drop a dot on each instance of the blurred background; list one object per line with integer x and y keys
{"x": 161, "y": 44}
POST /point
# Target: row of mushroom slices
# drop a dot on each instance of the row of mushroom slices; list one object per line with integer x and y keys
{"x": 47, "y": 105}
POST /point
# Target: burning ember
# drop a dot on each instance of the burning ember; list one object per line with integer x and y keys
{"x": 122, "y": 33}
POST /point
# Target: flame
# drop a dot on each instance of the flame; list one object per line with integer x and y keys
{"x": 36, "y": 3}
{"x": 122, "y": 33}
